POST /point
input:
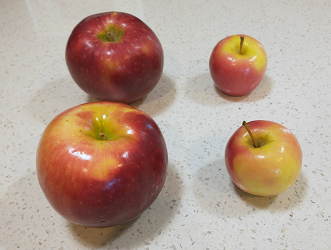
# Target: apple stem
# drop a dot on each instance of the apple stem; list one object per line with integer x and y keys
{"x": 102, "y": 135}
{"x": 110, "y": 37}
{"x": 241, "y": 45}
{"x": 250, "y": 133}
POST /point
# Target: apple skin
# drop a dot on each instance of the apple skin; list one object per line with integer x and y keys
{"x": 238, "y": 74}
{"x": 269, "y": 169}
{"x": 97, "y": 182}
{"x": 124, "y": 70}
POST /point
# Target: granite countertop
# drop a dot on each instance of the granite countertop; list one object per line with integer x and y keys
{"x": 199, "y": 206}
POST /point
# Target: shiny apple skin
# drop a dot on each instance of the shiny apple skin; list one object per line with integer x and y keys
{"x": 101, "y": 183}
{"x": 122, "y": 71}
{"x": 268, "y": 170}
{"x": 235, "y": 74}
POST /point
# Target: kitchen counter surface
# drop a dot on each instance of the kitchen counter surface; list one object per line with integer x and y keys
{"x": 199, "y": 206}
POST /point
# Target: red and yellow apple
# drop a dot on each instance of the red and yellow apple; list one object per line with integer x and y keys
{"x": 101, "y": 164}
{"x": 263, "y": 159}
{"x": 237, "y": 64}
{"x": 114, "y": 56}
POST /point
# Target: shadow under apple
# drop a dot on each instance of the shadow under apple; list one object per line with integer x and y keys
{"x": 202, "y": 89}
{"x": 288, "y": 199}
{"x": 217, "y": 194}
{"x": 141, "y": 230}
{"x": 61, "y": 94}
{"x": 157, "y": 101}
{"x": 214, "y": 192}
{"x": 24, "y": 211}
{"x": 55, "y": 97}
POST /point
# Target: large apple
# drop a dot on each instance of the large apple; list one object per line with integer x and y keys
{"x": 101, "y": 164}
{"x": 237, "y": 64}
{"x": 114, "y": 56}
{"x": 263, "y": 158}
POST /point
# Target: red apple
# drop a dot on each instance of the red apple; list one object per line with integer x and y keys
{"x": 101, "y": 164}
{"x": 237, "y": 64}
{"x": 264, "y": 159}
{"x": 114, "y": 56}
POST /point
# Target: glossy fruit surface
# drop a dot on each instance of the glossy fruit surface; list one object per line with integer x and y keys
{"x": 269, "y": 169}
{"x": 114, "y": 56}
{"x": 101, "y": 164}
{"x": 236, "y": 73}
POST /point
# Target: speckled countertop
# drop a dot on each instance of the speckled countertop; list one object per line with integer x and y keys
{"x": 199, "y": 207}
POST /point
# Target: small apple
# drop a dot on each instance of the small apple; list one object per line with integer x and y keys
{"x": 114, "y": 56}
{"x": 101, "y": 164}
{"x": 263, "y": 158}
{"x": 237, "y": 64}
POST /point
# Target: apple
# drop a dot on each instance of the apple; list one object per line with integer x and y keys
{"x": 237, "y": 64}
{"x": 101, "y": 164}
{"x": 114, "y": 56}
{"x": 263, "y": 158}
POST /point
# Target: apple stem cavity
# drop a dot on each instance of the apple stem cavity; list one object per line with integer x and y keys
{"x": 250, "y": 133}
{"x": 112, "y": 34}
{"x": 241, "y": 45}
